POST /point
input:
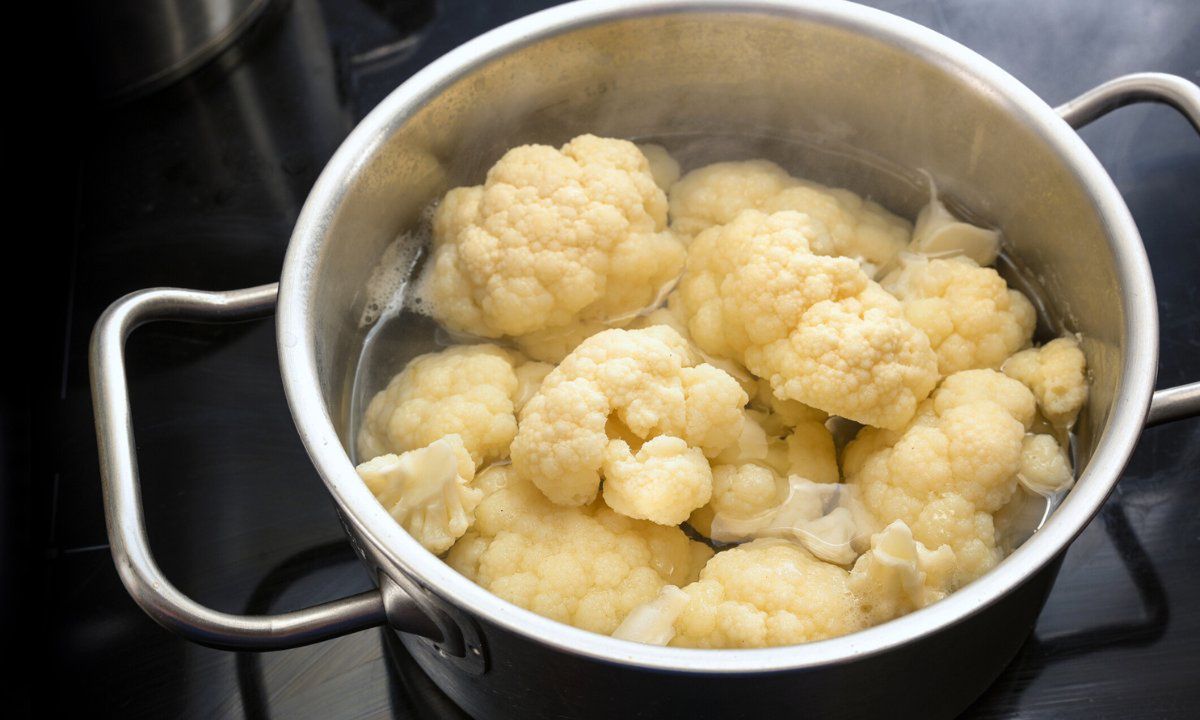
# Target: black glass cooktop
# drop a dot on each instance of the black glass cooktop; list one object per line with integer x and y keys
{"x": 199, "y": 184}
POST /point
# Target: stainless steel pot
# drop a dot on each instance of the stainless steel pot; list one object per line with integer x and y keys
{"x": 805, "y": 70}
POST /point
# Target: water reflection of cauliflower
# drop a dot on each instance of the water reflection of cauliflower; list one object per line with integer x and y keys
{"x": 584, "y": 566}
{"x": 553, "y": 239}
{"x": 815, "y": 326}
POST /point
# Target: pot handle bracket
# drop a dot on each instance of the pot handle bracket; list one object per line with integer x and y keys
{"x": 1181, "y": 402}
{"x": 139, "y": 572}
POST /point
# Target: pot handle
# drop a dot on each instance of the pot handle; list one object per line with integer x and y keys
{"x": 135, "y": 563}
{"x": 1181, "y": 402}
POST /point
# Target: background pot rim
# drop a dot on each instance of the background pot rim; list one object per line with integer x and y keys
{"x": 371, "y": 523}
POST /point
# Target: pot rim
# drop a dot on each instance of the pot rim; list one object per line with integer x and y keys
{"x": 369, "y": 520}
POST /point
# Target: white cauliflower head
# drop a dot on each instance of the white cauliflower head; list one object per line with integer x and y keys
{"x": 584, "y": 566}
{"x": 662, "y": 483}
{"x": 716, "y": 194}
{"x": 765, "y": 593}
{"x": 816, "y": 327}
{"x": 645, "y": 380}
{"x": 467, "y": 390}
{"x": 552, "y": 239}
{"x": 1057, "y": 375}
{"x": 951, "y": 468}
{"x": 740, "y": 493}
{"x": 427, "y": 490}
{"x": 971, "y": 317}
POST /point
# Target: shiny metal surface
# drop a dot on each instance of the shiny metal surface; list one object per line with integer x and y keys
{"x": 138, "y": 46}
{"x": 123, "y": 507}
{"x": 1172, "y": 90}
{"x": 1184, "y": 401}
{"x": 1177, "y": 403}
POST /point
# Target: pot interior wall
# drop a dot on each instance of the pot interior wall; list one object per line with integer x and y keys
{"x": 857, "y": 111}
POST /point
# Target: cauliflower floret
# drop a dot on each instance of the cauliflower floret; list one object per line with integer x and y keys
{"x": 937, "y": 233}
{"x": 427, "y": 490}
{"x": 752, "y": 445}
{"x": 899, "y": 574}
{"x": 972, "y": 318}
{"x": 584, "y": 566}
{"x": 552, "y": 239}
{"x": 1045, "y": 468}
{"x": 772, "y": 592}
{"x": 951, "y": 468}
{"x": 811, "y": 453}
{"x": 972, "y": 386}
{"x": 467, "y": 390}
{"x": 816, "y": 327}
{"x": 1057, "y": 375}
{"x": 653, "y": 623}
{"x": 561, "y": 440}
{"x": 765, "y": 593}
{"x": 713, "y": 407}
{"x": 642, "y": 378}
{"x": 739, "y": 493}
{"x": 716, "y": 194}
{"x": 663, "y": 483}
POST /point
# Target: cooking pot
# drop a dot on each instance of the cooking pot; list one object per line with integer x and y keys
{"x": 827, "y": 75}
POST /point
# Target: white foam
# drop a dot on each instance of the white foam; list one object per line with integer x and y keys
{"x": 389, "y": 280}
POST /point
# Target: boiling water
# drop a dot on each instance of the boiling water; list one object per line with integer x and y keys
{"x": 400, "y": 330}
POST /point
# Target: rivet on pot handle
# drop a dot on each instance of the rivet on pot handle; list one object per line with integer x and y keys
{"x": 1180, "y": 402}
{"x": 123, "y": 503}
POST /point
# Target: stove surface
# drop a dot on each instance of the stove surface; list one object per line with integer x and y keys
{"x": 199, "y": 185}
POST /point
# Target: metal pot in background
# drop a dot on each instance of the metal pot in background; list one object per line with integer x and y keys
{"x": 138, "y": 46}
{"x": 825, "y": 74}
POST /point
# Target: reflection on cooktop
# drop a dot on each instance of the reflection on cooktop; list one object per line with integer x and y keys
{"x": 199, "y": 184}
